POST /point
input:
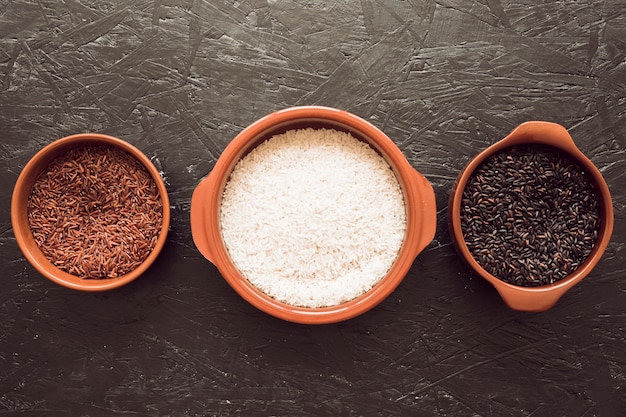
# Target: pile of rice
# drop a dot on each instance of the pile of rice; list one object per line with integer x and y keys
{"x": 313, "y": 217}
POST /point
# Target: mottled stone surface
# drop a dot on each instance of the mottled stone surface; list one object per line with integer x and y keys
{"x": 179, "y": 79}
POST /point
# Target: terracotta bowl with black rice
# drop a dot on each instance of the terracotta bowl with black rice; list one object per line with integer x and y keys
{"x": 532, "y": 215}
{"x": 90, "y": 212}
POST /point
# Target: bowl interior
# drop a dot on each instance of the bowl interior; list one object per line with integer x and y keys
{"x": 384, "y": 147}
{"x": 21, "y": 227}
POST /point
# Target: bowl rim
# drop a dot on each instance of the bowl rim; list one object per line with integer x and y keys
{"x": 539, "y": 298}
{"x": 207, "y": 197}
{"x": 19, "y": 212}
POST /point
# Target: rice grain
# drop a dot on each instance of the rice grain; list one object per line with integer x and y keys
{"x": 95, "y": 212}
{"x": 313, "y": 217}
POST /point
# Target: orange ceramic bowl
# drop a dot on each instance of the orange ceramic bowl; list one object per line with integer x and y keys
{"x": 540, "y": 298}
{"x": 19, "y": 212}
{"x": 206, "y": 201}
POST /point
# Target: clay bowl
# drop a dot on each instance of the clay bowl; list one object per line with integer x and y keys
{"x": 20, "y": 213}
{"x": 206, "y": 201}
{"x": 542, "y": 297}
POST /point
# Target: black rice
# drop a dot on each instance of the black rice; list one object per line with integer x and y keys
{"x": 530, "y": 215}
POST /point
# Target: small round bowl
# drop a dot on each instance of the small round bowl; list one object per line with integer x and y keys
{"x": 206, "y": 200}
{"x": 19, "y": 212}
{"x": 539, "y": 298}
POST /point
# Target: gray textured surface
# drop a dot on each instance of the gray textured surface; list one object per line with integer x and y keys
{"x": 179, "y": 79}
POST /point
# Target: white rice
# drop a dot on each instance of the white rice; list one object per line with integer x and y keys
{"x": 313, "y": 218}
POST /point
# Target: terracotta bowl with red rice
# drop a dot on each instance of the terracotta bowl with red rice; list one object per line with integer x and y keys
{"x": 90, "y": 212}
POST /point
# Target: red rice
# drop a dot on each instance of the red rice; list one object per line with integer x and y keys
{"x": 95, "y": 212}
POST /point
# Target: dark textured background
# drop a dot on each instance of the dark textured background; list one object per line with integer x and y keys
{"x": 179, "y": 79}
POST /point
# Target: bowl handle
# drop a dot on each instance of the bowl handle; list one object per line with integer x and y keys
{"x": 536, "y": 301}
{"x": 426, "y": 202}
{"x": 201, "y": 213}
{"x": 546, "y": 133}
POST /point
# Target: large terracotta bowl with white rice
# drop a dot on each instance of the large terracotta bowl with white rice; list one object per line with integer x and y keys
{"x": 313, "y": 215}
